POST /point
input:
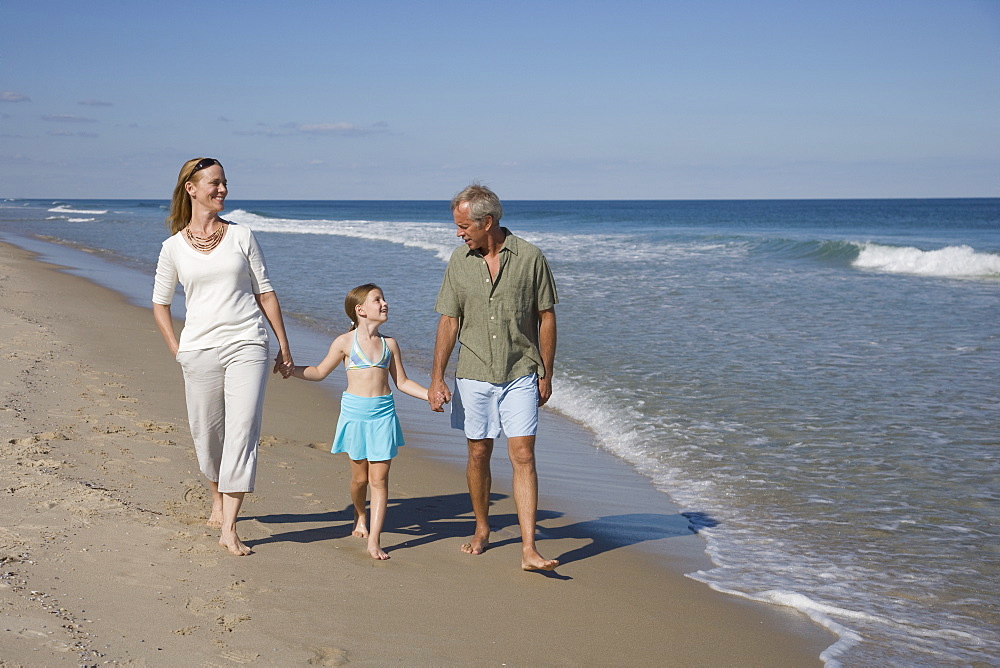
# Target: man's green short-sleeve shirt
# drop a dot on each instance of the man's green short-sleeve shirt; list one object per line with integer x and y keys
{"x": 498, "y": 320}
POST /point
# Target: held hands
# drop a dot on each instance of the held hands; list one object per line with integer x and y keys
{"x": 438, "y": 395}
{"x": 283, "y": 363}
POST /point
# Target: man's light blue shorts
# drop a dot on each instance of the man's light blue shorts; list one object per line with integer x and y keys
{"x": 484, "y": 409}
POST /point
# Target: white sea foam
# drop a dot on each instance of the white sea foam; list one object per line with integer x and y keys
{"x": 80, "y": 220}
{"x": 440, "y": 239}
{"x": 951, "y": 261}
{"x": 427, "y": 236}
{"x": 819, "y": 613}
{"x": 66, "y": 209}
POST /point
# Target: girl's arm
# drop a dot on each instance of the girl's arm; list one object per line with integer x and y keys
{"x": 398, "y": 373}
{"x": 333, "y": 358}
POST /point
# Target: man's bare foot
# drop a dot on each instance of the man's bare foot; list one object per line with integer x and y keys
{"x": 377, "y": 552}
{"x": 477, "y": 545}
{"x": 235, "y": 546}
{"x": 532, "y": 561}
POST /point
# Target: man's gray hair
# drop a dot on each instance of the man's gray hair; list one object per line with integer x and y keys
{"x": 482, "y": 202}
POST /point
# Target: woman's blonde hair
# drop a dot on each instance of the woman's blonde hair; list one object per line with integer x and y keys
{"x": 180, "y": 203}
{"x": 355, "y": 298}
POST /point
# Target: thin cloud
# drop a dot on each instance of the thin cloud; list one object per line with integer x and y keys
{"x": 11, "y": 96}
{"x": 66, "y": 118}
{"x": 260, "y": 133}
{"x": 65, "y": 133}
{"x": 95, "y": 103}
{"x": 342, "y": 129}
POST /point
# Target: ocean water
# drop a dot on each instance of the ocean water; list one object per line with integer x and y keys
{"x": 816, "y": 380}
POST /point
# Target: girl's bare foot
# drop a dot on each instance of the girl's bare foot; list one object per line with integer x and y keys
{"x": 377, "y": 552}
{"x": 360, "y": 530}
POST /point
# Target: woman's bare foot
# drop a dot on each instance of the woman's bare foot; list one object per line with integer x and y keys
{"x": 233, "y": 543}
{"x": 532, "y": 561}
{"x": 377, "y": 552}
{"x": 215, "y": 519}
{"x": 216, "y": 516}
{"x": 477, "y": 545}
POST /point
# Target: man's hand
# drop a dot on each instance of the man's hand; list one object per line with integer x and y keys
{"x": 544, "y": 390}
{"x": 438, "y": 395}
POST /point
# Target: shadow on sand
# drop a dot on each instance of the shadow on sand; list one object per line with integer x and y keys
{"x": 432, "y": 518}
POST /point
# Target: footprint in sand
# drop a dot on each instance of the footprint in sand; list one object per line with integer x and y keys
{"x": 202, "y": 608}
{"x": 114, "y": 429}
{"x": 318, "y": 446}
{"x": 237, "y": 656}
{"x": 158, "y": 427}
{"x": 269, "y": 441}
{"x": 328, "y": 656}
{"x": 228, "y": 623}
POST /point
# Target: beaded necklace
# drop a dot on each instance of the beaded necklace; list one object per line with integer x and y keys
{"x": 205, "y": 244}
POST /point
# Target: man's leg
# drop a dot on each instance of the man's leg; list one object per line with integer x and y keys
{"x": 480, "y": 479}
{"x": 521, "y": 450}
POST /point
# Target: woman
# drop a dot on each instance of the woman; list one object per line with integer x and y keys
{"x": 223, "y": 347}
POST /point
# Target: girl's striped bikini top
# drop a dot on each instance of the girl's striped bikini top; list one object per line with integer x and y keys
{"x": 358, "y": 359}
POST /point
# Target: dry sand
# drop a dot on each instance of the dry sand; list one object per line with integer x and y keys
{"x": 104, "y": 557}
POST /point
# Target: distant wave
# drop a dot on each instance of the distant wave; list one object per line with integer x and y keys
{"x": 426, "y": 236}
{"x": 951, "y": 261}
{"x": 66, "y": 209}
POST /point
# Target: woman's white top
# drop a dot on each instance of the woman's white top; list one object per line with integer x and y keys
{"x": 219, "y": 288}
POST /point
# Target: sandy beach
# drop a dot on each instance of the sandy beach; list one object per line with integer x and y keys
{"x": 104, "y": 557}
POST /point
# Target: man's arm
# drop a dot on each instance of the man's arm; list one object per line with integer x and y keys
{"x": 438, "y": 393}
{"x": 547, "y": 347}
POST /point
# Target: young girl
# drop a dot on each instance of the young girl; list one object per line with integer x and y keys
{"x": 368, "y": 429}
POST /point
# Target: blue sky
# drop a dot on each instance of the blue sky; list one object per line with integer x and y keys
{"x": 698, "y": 99}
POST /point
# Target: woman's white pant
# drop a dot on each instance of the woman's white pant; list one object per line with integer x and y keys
{"x": 224, "y": 388}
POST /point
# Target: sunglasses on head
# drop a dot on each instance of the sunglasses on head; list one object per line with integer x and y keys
{"x": 202, "y": 164}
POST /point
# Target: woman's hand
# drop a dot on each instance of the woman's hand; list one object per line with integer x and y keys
{"x": 283, "y": 363}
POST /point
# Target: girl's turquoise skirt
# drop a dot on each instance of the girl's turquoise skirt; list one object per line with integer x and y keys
{"x": 368, "y": 428}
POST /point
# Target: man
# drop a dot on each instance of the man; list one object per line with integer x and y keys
{"x": 498, "y": 300}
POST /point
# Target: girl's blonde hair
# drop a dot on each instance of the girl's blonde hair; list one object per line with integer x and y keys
{"x": 355, "y": 298}
{"x": 180, "y": 203}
